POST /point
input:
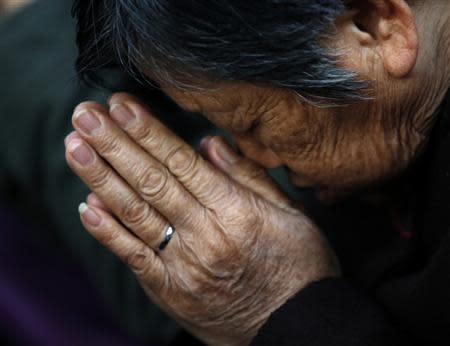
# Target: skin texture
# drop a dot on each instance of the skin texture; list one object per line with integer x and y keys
{"x": 346, "y": 147}
{"x": 240, "y": 249}
{"x": 227, "y": 242}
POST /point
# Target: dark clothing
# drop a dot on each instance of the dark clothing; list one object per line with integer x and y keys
{"x": 396, "y": 289}
{"x": 395, "y": 254}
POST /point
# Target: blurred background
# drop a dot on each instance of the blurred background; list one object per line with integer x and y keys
{"x": 57, "y": 285}
{"x": 7, "y": 6}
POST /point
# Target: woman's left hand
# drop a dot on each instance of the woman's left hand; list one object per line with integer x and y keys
{"x": 239, "y": 250}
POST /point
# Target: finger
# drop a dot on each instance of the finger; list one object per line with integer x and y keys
{"x": 146, "y": 175}
{"x": 95, "y": 201}
{"x": 243, "y": 170}
{"x": 71, "y": 136}
{"x": 130, "y": 249}
{"x": 92, "y": 198}
{"x": 119, "y": 197}
{"x": 197, "y": 176}
{"x": 89, "y": 105}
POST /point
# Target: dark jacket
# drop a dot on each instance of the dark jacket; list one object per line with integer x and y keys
{"x": 395, "y": 254}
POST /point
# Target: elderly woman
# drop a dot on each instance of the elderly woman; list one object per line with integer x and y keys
{"x": 343, "y": 94}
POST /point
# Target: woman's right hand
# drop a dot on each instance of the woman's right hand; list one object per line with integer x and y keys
{"x": 239, "y": 251}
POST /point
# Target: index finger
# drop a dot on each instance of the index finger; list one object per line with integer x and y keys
{"x": 197, "y": 175}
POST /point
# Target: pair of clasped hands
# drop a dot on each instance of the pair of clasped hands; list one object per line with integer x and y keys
{"x": 239, "y": 250}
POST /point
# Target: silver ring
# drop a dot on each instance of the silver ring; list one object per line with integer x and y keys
{"x": 167, "y": 238}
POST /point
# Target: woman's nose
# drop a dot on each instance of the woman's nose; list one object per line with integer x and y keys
{"x": 254, "y": 150}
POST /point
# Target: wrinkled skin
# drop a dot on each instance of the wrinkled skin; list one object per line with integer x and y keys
{"x": 237, "y": 237}
{"x": 241, "y": 249}
{"x": 340, "y": 148}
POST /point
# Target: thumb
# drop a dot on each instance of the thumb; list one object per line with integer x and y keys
{"x": 244, "y": 171}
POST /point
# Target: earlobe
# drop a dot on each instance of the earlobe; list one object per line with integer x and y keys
{"x": 399, "y": 39}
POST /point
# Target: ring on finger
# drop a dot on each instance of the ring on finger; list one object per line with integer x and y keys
{"x": 167, "y": 237}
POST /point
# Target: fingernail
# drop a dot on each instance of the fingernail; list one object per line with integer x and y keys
{"x": 122, "y": 115}
{"x": 205, "y": 141}
{"x": 226, "y": 153}
{"x": 89, "y": 216}
{"x": 82, "y": 154}
{"x": 87, "y": 122}
{"x": 69, "y": 137}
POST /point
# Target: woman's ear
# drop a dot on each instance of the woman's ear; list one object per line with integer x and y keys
{"x": 388, "y": 29}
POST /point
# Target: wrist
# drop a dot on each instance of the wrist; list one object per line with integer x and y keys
{"x": 308, "y": 260}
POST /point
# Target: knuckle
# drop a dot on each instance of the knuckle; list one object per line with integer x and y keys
{"x": 224, "y": 197}
{"x": 108, "y": 238}
{"x": 256, "y": 218}
{"x": 181, "y": 161}
{"x": 109, "y": 146}
{"x": 137, "y": 260}
{"x": 100, "y": 179}
{"x": 152, "y": 183}
{"x": 256, "y": 176}
{"x": 247, "y": 212}
{"x": 135, "y": 212}
{"x": 222, "y": 257}
{"x": 147, "y": 136}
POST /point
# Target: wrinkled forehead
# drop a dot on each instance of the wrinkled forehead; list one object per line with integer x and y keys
{"x": 221, "y": 96}
{"x": 233, "y": 106}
